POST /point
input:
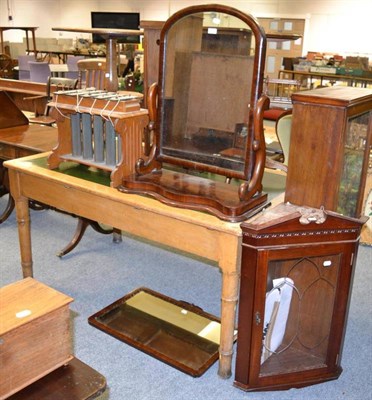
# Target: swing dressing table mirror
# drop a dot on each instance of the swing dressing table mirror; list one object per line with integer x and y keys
{"x": 206, "y": 115}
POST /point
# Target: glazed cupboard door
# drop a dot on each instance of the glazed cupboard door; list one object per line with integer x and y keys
{"x": 356, "y": 160}
{"x": 297, "y": 310}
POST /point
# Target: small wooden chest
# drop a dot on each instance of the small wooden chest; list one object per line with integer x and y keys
{"x": 34, "y": 333}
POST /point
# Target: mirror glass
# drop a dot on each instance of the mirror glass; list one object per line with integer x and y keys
{"x": 207, "y": 90}
{"x": 173, "y": 314}
{"x": 178, "y": 333}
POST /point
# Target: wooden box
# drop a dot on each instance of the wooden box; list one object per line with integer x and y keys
{"x": 34, "y": 333}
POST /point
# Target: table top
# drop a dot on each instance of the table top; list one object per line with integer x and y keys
{"x": 97, "y": 182}
{"x": 36, "y": 138}
{"x": 326, "y": 75}
{"x": 104, "y": 32}
{"x": 19, "y": 86}
{"x": 27, "y": 28}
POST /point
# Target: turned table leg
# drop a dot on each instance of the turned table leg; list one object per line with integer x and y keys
{"x": 23, "y": 221}
{"x": 4, "y": 190}
{"x": 230, "y": 267}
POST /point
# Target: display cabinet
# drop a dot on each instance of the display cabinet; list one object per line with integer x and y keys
{"x": 330, "y": 148}
{"x": 297, "y": 273}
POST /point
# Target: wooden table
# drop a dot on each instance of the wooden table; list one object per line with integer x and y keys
{"x": 31, "y": 139}
{"x": 62, "y": 55}
{"x": 24, "y": 140}
{"x": 27, "y": 29}
{"x": 20, "y": 141}
{"x": 81, "y": 191}
{"x": 352, "y": 80}
{"x": 111, "y": 36}
{"x": 19, "y": 90}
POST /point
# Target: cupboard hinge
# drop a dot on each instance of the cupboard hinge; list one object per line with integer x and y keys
{"x": 258, "y": 318}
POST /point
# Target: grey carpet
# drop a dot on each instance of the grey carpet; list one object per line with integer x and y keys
{"x": 99, "y": 272}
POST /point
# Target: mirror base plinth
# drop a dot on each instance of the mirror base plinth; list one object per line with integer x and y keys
{"x": 187, "y": 191}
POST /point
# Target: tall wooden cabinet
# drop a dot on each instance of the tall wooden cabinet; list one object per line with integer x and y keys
{"x": 330, "y": 148}
{"x": 297, "y": 273}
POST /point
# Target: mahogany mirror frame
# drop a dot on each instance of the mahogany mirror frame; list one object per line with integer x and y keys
{"x": 252, "y": 154}
{"x": 256, "y": 91}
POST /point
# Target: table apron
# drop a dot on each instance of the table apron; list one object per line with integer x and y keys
{"x": 182, "y": 235}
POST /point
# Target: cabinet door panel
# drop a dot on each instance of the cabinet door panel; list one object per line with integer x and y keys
{"x": 299, "y": 307}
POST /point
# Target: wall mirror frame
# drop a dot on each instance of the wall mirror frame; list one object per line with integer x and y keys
{"x": 206, "y": 114}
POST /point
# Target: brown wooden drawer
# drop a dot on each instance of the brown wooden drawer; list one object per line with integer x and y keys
{"x": 7, "y": 152}
{"x": 23, "y": 153}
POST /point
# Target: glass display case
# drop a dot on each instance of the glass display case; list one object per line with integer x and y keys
{"x": 297, "y": 272}
{"x": 330, "y": 148}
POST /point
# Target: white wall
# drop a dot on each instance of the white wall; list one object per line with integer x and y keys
{"x": 342, "y": 26}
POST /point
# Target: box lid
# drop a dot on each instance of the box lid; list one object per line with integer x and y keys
{"x": 26, "y": 300}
